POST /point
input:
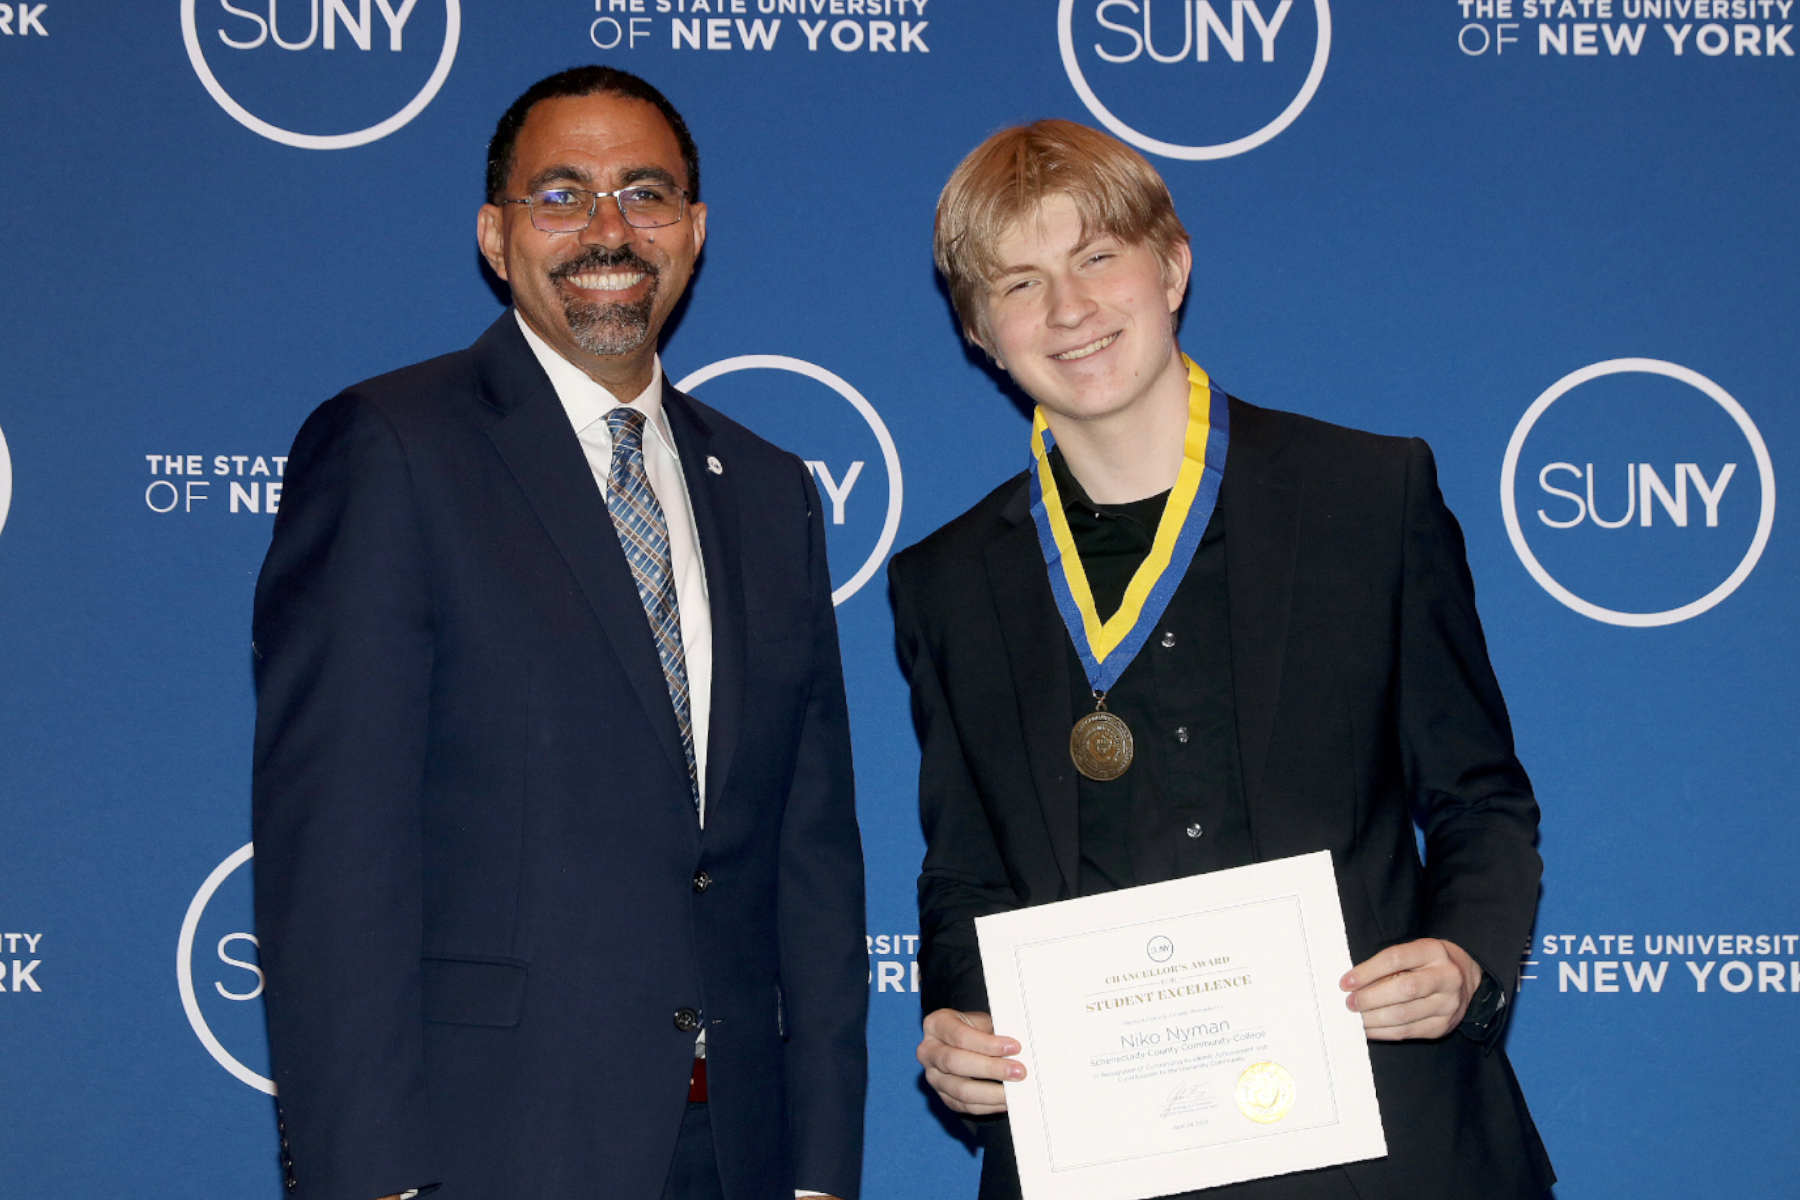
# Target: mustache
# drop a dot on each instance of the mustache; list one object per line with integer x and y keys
{"x": 599, "y": 258}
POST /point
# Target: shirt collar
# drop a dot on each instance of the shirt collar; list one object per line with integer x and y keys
{"x": 1145, "y": 513}
{"x": 585, "y": 401}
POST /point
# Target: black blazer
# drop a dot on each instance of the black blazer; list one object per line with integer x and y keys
{"x": 1364, "y": 698}
{"x": 479, "y": 874}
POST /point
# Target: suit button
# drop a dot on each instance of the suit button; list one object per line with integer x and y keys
{"x": 687, "y": 1020}
{"x": 1194, "y": 830}
{"x": 292, "y": 1183}
{"x": 702, "y": 881}
{"x": 1181, "y": 734}
{"x": 1168, "y": 639}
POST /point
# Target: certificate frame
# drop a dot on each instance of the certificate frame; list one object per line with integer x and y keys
{"x": 1182, "y": 1035}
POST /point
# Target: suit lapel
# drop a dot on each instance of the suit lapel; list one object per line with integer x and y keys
{"x": 1035, "y": 647}
{"x": 1261, "y": 496}
{"x": 715, "y": 502}
{"x": 539, "y": 447}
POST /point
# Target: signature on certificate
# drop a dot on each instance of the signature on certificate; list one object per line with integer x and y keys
{"x": 1185, "y": 1098}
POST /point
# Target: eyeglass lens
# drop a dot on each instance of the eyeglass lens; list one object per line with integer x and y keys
{"x": 643, "y": 205}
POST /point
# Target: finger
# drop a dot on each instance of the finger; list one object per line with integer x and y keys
{"x": 971, "y": 1031}
{"x": 976, "y": 1097}
{"x": 940, "y": 1056}
{"x": 964, "y": 1090}
{"x": 1407, "y": 956}
{"x": 1428, "y": 1028}
{"x": 1407, "y": 987}
{"x": 1397, "y": 1016}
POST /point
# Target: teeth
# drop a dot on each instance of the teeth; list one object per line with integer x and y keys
{"x": 1084, "y": 351}
{"x": 614, "y": 282}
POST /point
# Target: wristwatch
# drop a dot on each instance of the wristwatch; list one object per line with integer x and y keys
{"x": 1484, "y": 1009}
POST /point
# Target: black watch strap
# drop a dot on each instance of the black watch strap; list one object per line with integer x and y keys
{"x": 1484, "y": 1008}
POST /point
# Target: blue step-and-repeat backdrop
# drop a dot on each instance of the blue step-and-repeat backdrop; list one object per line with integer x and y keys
{"x": 1557, "y": 238}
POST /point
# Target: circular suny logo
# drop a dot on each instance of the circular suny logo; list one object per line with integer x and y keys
{"x": 1160, "y": 949}
{"x": 1213, "y": 78}
{"x": 368, "y": 67}
{"x": 842, "y": 439}
{"x": 1637, "y": 492}
{"x": 217, "y": 921}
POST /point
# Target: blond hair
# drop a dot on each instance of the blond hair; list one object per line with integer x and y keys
{"x": 1006, "y": 178}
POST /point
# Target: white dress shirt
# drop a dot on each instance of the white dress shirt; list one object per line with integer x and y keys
{"x": 587, "y": 404}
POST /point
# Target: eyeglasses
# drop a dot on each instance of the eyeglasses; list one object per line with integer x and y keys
{"x": 648, "y": 205}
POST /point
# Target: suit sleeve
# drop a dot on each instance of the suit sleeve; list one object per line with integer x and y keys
{"x": 963, "y": 876}
{"x": 1475, "y": 801}
{"x": 824, "y": 963}
{"x": 343, "y": 650}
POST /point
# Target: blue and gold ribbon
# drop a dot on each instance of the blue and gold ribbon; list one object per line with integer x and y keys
{"x": 1107, "y": 647}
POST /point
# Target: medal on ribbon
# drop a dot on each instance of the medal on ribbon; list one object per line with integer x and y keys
{"x": 1101, "y": 743}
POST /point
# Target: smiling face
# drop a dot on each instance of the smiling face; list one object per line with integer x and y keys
{"x": 1084, "y": 322}
{"x": 598, "y": 297}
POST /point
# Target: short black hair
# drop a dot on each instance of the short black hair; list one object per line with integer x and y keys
{"x": 583, "y": 81}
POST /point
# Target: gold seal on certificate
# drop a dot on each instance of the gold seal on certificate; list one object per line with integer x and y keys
{"x": 1265, "y": 1092}
{"x": 1101, "y": 746}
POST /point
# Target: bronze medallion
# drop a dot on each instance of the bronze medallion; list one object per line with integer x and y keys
{"x": 1101, "y": 746}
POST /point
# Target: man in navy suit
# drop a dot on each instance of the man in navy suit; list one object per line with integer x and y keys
{"x": 559, "y": 885}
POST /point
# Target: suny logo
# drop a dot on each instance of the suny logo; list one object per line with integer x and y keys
{"x": 1636, "y": 496}
{"x": 1213, "y": 77}
{"x": 840, "y": 446}
{"x": 228, "y": 968}
{"x": 372, "y": 65}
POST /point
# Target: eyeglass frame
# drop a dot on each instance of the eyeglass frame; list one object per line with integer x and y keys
{"x": 594, "y": 199}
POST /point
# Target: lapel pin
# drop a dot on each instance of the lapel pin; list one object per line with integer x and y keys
{"x": 714, "y": 465}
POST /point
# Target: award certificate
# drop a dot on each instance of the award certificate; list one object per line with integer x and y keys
{"x": 1182, "y": 1035}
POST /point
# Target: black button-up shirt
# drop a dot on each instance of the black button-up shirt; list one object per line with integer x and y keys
{"x": 1179, "y": 810}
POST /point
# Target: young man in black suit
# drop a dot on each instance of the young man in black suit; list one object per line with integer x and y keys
{"x": 1199, "y": 634}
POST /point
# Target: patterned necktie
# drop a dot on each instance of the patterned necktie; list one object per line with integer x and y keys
{"x": 644, "y": 534}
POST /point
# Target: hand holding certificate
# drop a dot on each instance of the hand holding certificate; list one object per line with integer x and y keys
{"x": 1182, "y": 1035}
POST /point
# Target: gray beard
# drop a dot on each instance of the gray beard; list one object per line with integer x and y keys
{"x": 605, "y": 329}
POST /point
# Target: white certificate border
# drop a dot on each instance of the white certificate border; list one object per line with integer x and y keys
{"x": 1324, "y": 1047}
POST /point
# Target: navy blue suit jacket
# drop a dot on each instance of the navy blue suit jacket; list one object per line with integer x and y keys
{"x": 476, "y": 853}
